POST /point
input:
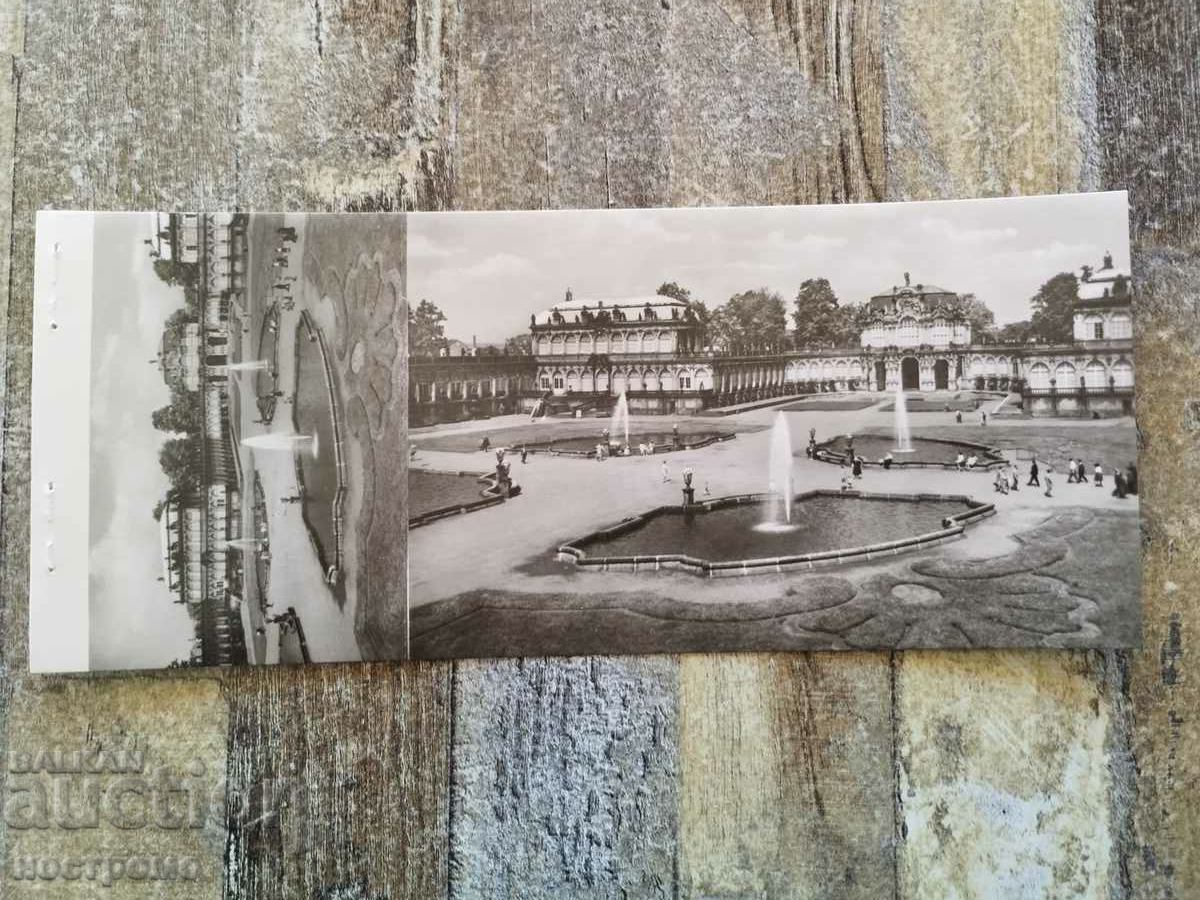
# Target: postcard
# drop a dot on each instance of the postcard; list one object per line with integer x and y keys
{"x": 301, "y": 438}
{"x": 822, "y": 427}
{"x": 219, "y": 411}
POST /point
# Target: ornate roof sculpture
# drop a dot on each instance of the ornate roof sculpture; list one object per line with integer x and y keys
{"x": 608, "y": 310}
{"x": 1105, "y": 286}
{"x": 923, "y": 302}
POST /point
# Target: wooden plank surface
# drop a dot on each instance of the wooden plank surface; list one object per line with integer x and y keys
{"x": 1149, "y": 90}
{"x": 369, "y": 106}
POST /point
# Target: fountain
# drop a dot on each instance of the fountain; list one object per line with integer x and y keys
{"x": 254, "y": 365}
{"x": 246, "y": 543}
{"x": 289, "y": 442}
{"x": 779, "y": 513}
{"x": 903, "y": 437}
{"x": 620, "y": 421}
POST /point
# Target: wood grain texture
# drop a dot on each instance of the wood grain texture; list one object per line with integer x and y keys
{"x": 792, "y": 108}
{"x": 786, "y": 776}
{"x": 88, "y": 135}
{"x": 337, "y": 781}
{"x": 174, "y": 805}
{"x": 1003, "y": 777}
{"x": 564, "y": 778}
{"x": 1149, "y": 76}
{"x": 1014, "y": 771}
{"x": 1163, "y": 685}
{"x": 990, "y": 99}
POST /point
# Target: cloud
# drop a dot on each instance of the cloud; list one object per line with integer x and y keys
{"x": 420, "y": 247}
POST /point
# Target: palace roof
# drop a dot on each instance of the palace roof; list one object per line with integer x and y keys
{"x": 633, "y": 308}
{"x": 1101, "y": 284}
{"x": 926, "y": 294}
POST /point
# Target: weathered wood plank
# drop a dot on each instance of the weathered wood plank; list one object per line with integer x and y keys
{"x": 775, "y": 102}
{"x": 1003, "y": 777}
{"x": 86, "y": 137}
{"x": 561, "y": 106}
{"x": 1149, "y": 62}
{"x": 785, "y": 760}
{"x": 341, "y": 110}
{"x": 337, "y": 781}
{"x": 1163, "y": 684}
{"x": 142, "y": 807}
{"x": 787, "y": 782}
{"x": 990, "y": 99}
{"x": 564, "y": 771}
{"x": 344, "y": 105}
{"x": 1013, "y": 768}
{"x": 565, "y": 778}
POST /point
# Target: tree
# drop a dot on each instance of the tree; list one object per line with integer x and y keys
{"x": 749, "y": 322}
{"x": 1054, "y": 308}
{"x": 674, "y": 291}
{"x": 183, "y": 414}
{"x": 426, "y": 329}
{"x": 519, "y": 345}
{"x": 180, "y": 460}
{"x": 174, "y": 272}
{"x": 820, "y": 321}
{"x": 1015, "y": 332}
{"x": 981, "y": 319}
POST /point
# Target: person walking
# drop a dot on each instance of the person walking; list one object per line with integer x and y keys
{"x": 856, "y": 467}
{"x": 1118, "y": 485}
{"x": 1033, "y": 475}
{"x": 958, "y": 417}
{"x": 1049, "y": 481}
{"x": 666, "y": 473}
{"x": 982, "y": 417}
{"x": 524, "y": 454}
{"x": 1015, "y": 479}
{"x": 1099, "y": 473}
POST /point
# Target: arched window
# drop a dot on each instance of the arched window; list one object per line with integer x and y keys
{"x": 1039, "y": 376}
{"x": 1064, "y": 375}
{"x": 602, "y": 381}
{"x": 573, "y": 380}
{"x": 1095, "y": 375}
{"x": 702, "y": 379}
{"x": 1122, "y": 373}
{"x": 940, "y": 333}
{"x": 556, "y": 345}
{"x": 1120, "y": 326}
{"x": 572, "y": 344}
{"x": 664, "y": 342}
{"x": 618, "y": 342}
{"x": 906, "y": 333}
{"x": 667, "y": 380}
{"x": 586, "y": 345}
{"x": 650, "y": 380}
{"x": 620, "y": 382}
{"x": 602, "y": 343}
{"x": 1093, "y": 328}
{"x": 543, "y": 346}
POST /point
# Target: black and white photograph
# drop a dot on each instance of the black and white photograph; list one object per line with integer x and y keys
{"x": 218, "y": 436}
{"x": 888, "y": 425}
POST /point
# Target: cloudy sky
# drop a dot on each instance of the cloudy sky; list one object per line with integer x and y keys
{"x": 132, "y": 621}
{"x": 489, "y": 271}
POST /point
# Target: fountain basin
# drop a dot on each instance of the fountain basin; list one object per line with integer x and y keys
{"x": 585, "y": 446}
{"x": 936, "y": 453}
{"x": 719, "y": 537}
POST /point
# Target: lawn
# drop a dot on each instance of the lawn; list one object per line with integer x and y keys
{"x": 428, "y": 491}
{"x": 832, "y": 403}
{"x": 1112, "y": 445}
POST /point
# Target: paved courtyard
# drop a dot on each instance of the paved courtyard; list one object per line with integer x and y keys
{"x": 1058, "y": 572}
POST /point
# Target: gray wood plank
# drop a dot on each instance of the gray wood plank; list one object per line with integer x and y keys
{"x": 564, "y": 779}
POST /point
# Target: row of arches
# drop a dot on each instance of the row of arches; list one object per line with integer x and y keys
{"x": 615, "y": 342}
{"x": 1066, "y": 375}
{"x": 626, "y": 378}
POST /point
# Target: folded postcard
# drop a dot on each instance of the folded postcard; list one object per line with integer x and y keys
{"x": 288, "y": 438}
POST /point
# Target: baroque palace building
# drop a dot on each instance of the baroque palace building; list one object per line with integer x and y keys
{"x": 586, "y": 352}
